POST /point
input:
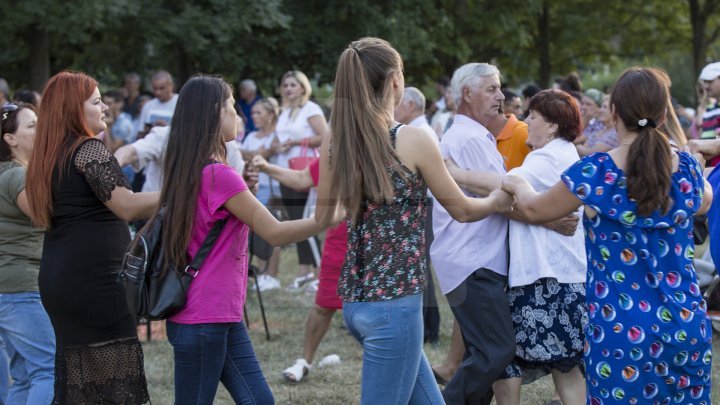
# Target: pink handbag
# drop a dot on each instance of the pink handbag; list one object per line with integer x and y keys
{"x": 306, "y": 157}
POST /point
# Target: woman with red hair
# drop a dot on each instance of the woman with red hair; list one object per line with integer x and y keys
{"x": 76, "y": 189}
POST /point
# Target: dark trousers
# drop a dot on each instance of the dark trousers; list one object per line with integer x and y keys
{"x": 480, "y": 305}
{"x": 294, "y": 202}
{"x": 431, "y": 312}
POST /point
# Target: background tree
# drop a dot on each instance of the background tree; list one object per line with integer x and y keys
{"x": 530, "y": 40}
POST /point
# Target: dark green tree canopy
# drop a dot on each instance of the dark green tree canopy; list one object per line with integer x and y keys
{"x": 530, "y": 40}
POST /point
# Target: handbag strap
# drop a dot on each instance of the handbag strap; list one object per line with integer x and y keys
{"x": 192, "y": 269}
{"x": 304, "y": 143}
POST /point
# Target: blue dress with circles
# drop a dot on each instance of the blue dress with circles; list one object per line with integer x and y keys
{"x": 648, "y": 339}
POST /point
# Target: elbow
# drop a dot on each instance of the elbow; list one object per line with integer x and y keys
{"x": 325, "y": 217}
{"x": 460, "y": 215}
{"x": 326, "y": 222}
{"x": 128, "y": 216}
{"x": 278, "y": 238}
{"x": 275, "y": 241}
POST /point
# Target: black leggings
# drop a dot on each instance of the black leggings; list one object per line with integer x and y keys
{"x": 294, "y": 202}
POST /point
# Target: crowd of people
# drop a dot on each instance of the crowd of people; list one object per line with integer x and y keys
{"x": 558, "y": 225}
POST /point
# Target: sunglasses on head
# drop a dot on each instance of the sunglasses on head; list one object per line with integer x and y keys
{"x": 8, "y": 108}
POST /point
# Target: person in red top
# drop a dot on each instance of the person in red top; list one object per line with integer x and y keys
{"x": 333, "y": 253}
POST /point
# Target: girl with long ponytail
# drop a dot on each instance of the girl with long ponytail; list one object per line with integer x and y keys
{"x": 642, "y": 294}
{"x": 379, "y": 171}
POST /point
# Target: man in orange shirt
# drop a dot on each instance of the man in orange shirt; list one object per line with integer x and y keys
{"x": 511, "y": 135}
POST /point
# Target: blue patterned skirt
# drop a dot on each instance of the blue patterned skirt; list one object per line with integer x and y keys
{"x": 549, "y": 318}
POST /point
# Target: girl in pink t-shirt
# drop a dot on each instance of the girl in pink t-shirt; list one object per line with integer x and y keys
{"x": 208, "y": 336}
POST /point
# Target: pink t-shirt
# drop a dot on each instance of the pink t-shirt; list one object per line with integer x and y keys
{"x": 217, "y": 294}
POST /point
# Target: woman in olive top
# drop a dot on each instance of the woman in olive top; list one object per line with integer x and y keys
{"x": 24, "y": 324}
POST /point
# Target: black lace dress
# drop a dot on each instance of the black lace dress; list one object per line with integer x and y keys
{"x": 99, "y": 358}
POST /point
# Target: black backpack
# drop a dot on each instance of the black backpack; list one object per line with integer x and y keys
{"x": 152, "y": 293}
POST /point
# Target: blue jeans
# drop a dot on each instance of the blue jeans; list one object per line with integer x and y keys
{"x": 4, "y": 373}
{"x": 30, "y": 343}
{"x": 208, "y": 353}
{"x": 395, "y": 369}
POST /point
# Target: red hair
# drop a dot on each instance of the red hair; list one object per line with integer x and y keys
{"x": 61, "y": 126}
{"x": 558, "y": 107}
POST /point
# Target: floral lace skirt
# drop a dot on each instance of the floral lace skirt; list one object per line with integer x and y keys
{"x": 548, "y": 318}
{"x": 103, "y": 373}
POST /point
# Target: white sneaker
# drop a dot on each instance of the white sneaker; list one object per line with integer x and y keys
{"x": 267, "y": 282}
{"x": 330, "y": 360}
{"x": 301, "y": 281}
{"x": 312, "y": 286}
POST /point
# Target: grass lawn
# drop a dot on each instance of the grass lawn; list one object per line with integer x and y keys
{"x": 286, "y": 312}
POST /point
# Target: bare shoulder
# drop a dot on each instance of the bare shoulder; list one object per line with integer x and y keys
{"x": 413, "y": 145}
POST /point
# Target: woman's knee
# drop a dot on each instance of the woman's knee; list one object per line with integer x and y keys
{"x": 324, "y": 312}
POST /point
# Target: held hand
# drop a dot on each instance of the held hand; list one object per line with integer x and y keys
{"x": 284, "y": 147}
{"x": 510, "y": 183}
{"x": 501, "y": 201}
{"x": 708, "y": 148}
{"x": 259, "y": 163}
{"x": 565, "y": 226}
{"x": 250, "y": 175}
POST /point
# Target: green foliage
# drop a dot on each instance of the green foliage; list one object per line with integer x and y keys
{"x": 530, "y": 40}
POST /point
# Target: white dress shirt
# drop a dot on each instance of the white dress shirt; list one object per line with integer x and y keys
{"x": 461, "y": 248}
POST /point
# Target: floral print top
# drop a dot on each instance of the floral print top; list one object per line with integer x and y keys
{"x": 386, "y": 244}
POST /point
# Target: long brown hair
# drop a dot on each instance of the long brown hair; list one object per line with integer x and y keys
{"x": 642, "y": 94}
{"x": 194, "y": 140}
{"x": 361, "y": 148}
{"x": 61, "y": 126}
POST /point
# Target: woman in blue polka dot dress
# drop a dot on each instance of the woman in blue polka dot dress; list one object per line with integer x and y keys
{"x": 648, "y": 340}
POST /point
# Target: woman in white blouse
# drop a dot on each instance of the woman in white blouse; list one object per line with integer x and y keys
{"x": 547, "y": 270}
{"x": 301, "y": 121}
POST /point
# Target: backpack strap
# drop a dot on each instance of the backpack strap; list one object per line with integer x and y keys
{"x": 197, "y": 261}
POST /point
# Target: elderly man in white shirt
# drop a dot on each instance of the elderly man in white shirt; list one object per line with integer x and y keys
{"x": 411, "y": 111}
{"x": 471, "y": 259}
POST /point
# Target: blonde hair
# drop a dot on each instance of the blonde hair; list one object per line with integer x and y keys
{"x": 361, "y": 147}
{"x": 271, "y": 105}
{"x": 304, "y": 83}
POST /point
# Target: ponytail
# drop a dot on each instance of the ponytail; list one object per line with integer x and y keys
{"x": 649, "y": 171}
{"x": 361, "y": 150}
{"x": 640, "y": 98}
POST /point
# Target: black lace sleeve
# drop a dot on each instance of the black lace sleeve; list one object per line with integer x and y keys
{"x": 100, "y": 168}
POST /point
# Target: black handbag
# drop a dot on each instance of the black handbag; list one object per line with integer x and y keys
{"x": 154, "y": 290}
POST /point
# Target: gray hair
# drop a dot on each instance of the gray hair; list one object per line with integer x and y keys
{"x": 468, "y": 76}
{"x": 5, "y": 88}
{"x": 416, "y": 96}
{"x": 162, "y": 75}
{"x": 248, "y": 84}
